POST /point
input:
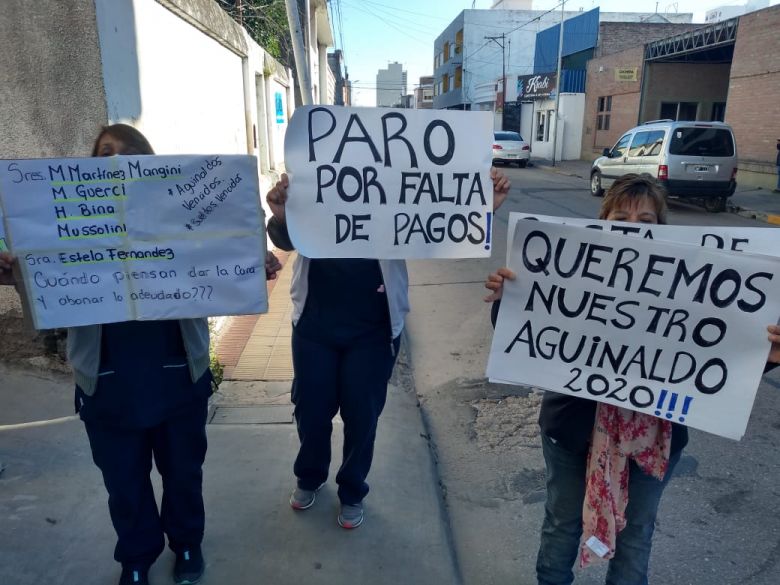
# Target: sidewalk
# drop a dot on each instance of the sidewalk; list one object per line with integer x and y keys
{"x": 56, "y": 527}
{"x": 748, "y": 201}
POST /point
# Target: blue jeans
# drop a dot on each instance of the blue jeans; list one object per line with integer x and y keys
{"x": 562, "y": 527}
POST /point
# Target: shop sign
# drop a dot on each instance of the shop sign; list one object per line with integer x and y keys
{"x": 538, "y": 86}
{"x": 626, "y": 73}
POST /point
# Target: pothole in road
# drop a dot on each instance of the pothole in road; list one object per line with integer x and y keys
{"x": 507, "y": 424}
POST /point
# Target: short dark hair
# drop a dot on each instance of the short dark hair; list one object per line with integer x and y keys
{"x": 633, "y": 187}
{"x": 134, "y": 141}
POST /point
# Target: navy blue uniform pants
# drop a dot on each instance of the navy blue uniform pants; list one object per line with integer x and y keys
{"x": 124, "y": 456}
{"x": 349, "y": 377}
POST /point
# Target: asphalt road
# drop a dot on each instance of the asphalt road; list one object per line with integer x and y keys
{"x": 717, "y": 524}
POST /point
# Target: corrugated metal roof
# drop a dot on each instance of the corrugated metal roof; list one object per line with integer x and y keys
{"x": 579, "y": 34}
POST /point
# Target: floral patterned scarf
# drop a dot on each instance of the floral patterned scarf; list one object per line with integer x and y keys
{"x": 618, "y": 435}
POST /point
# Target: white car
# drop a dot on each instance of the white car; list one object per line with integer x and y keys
{"x": 509, "y": 147}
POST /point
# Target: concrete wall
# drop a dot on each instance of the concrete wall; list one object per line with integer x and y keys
{"x": 182, "y": 71}
{"x": 753, "y": 107}
{"x": 703, "y": 83}
{"x": 569, "y": 127}
{"x": 52, "y": 87}
{"x": 626, "y": 96}
{"x": 185, "y": 100}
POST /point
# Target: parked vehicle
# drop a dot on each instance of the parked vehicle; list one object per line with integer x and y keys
{"x": 693, "y": 160}
{"x": 509, "y": 147}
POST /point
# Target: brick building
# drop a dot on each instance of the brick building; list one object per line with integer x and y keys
{"x": 753, "y": 105}
{"x": 614, "y": 81}
{"x": 723, "y": 71}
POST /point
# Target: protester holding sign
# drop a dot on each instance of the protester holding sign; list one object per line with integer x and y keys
{"x": 606, "y": 466}
{"x": 142, "y": 390}
{"x": 348, "y": 315}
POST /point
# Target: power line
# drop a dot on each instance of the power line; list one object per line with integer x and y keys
{"x": 395, "y": 21}
{"x": 389, "y": 23}
{"x": 386, "y": 6}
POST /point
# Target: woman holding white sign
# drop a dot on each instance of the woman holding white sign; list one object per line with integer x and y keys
{"x": 606, "y": 466}
{"x": 142, "y": 390}
{"x": 348, "y": 315}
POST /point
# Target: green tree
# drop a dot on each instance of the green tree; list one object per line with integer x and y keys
{"x": 266, "y": 22}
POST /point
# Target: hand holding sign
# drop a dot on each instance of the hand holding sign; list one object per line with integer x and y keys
{"x": 6, "y": 268}
{"x": 774, "y": 339}
{"x": 277, "y": 198}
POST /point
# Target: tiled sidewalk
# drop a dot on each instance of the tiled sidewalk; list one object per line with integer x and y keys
{"x": 258, "y": 347}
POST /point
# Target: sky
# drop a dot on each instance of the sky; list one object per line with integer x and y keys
{"x": 373, "y": 33}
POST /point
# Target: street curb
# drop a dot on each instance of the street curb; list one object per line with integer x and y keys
{"x": 406, "y": 342}
{"x": 552, "y": 169}
{"x": 771, "y": 218}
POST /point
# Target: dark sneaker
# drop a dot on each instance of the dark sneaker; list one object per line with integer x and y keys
{"x": 134, "y": 576}
{"x": 351, "y": 515}
{"x": 189, "y": 566}
{"x": 303, "y": 499}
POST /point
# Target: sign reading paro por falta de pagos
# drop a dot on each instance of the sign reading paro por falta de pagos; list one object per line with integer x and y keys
{"x": 389, "y": 183}
{"x": 103, "y": 240}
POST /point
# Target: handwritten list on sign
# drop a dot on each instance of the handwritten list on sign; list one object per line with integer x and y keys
{"x": 103, "y": 240}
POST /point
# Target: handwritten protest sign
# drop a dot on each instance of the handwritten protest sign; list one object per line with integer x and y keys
{"x": 671, "y": 330}
{"x": 103, "y": 240}
{"x": 383, "y": 183}
{"x": 762, "y": 240}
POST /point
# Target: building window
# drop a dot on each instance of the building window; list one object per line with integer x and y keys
{"x": 679, "y": 110}
{"x": 427, "y": 95}
{"x": 458, "y": 77}
{"x": 459, "y": 42}
{"x": 605, "y": 107}
{"x": 446, "y": 51}
{"x": 445, "y": 82}
{"x": 718, "y": 112}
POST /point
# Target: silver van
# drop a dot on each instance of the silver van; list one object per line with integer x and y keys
{"x": 693, "y": 160}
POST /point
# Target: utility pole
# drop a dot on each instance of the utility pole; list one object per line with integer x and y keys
{"x": 299, "y": 51}
{"x": 502, "y": 44}
{"x": 558, "y": 88}
{"x": 240, "y": 8}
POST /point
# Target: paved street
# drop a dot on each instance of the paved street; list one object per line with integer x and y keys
{"x": 717, "y": 523}
{"x": 466, "y": 511}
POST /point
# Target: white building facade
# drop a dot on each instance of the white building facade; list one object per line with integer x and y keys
{"x": 467, "y": 63}
{"x": 390, "y": 86}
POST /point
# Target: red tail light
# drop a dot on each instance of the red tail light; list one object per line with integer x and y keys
{"x": 498, "y": 147}
{"x": 526, "y": 147}
{"x": 734, "y": 174}
{"x": 663, "y": 173}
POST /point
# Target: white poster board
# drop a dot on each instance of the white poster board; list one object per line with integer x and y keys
{"x": 389, "y": 183}
{"x": 671, "y": 330}
{"x": 102, "y": 240}
{"x": 756, "y": 240}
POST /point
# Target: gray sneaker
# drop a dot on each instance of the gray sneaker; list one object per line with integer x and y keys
{"x": 351, "y": 515}
{"x": 303, "y": 499}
